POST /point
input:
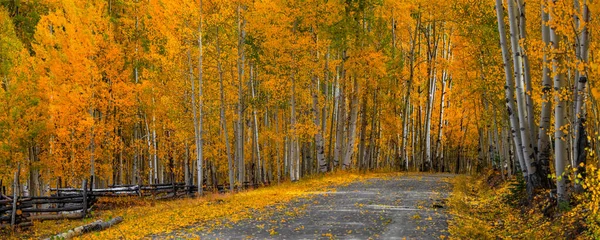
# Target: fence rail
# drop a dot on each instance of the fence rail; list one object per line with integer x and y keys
{"x": 75, "y": 203}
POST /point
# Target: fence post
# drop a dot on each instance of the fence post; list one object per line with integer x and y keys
{"x": 13, "y": 217}
{"x": 84, "y": 188}
{"x": 58, "y": 186}
{"x": 174, "y": 190}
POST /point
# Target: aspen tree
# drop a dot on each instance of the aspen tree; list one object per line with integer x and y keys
{"x": 526, "y": 147}
{"x": 222, "y": 110}
{"x": 509, "y": 90}
{"x": 240, "y": 108}
{"x": 543, "y": 143}
{"x": 560, "y": 108}
{"x": 198, "y": 137}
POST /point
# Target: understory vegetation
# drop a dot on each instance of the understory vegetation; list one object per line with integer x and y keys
{"x": 489, "y": 206}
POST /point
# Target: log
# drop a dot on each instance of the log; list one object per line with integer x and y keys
{"x": 64, "y": 209}
{"x": 119, "y": 194}
{"x": 53, "y": 201}
{"x": 45, "y": 217}
{"x": 95, "y": 226}
{"x": 103, "y": 190}
{"x": 19, "y": 225}
{"x": 65, "y": 189}
{"x": 57, "y": 197}
{"x": 122, "y": 185}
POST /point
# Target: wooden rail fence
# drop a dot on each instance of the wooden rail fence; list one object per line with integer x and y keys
{"x": 75, "y": 203}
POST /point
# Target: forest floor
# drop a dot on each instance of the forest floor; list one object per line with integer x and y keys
{"x": 490, "y": 207}
{"x": 331, "y": 206}
{"x": 385, "y": 207}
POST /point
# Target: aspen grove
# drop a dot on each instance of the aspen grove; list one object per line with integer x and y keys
{"x": 219, "y": 92}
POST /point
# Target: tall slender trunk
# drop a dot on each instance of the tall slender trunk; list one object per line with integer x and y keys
{"x": 194, "y": 110}
{"x": 317, "y": 120}
{"x": 186, "y": 167}
{"x": 255, "y": 118}
{"x": 509, "y": 90}
{"x": 560, "y": 138}
{"x": 581, "y": 141}
{"x": 432, "y": 48}
{"x": 154, "y": 147}
{"x": 315, "y": 89}
{"x": 352, "y": 127}
{"x": 528, "y": 154}
{"x": 278, "y": 153}
{"x": 446, "y": 54}
{"x": 527, "y": 78}
{"x": 333, "y": 122}
{"x": 363, "y": 135}
{"x": 543, "y": 144}
{"x": 240, "y": 121}
{"x": 341, "y": 122}
{"x": 439, "y": 143}
{"x": 149, "y": 143}
{"x": 223, "y": 120}
{"x": 294, "y": 157}
{"x": 199, "y": 139}
{"x": 34, "y": 172}
{"x": 406, "y": 119}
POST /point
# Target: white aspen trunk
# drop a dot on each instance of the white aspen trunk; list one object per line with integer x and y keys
{"x": 195, "y": 119}
{"x": 121, "y": 146}
{"x": 560, "y": 144}
{"x": 134, "y": 173}
{"x": 186, "y": 166}
{"x": 428, "y": 112}
{"x": 521, "y": 100}
{"x": 360, "y": 159}
{"x": 325, "y": 105}
{"x": 200, "y": 140}
{"x": 406, "y": 117}
{"x": 405, "y": 126}
{"x": 319, "y": 141}
{"x": 319, "y": 135}
{"x": 527, "y": 76}
{"x": 333, "y": 122}
{"x": 352, "y": 127}
{"x": 240, "y": 121}
{"x": 340, "y": 121}
{"x": 257, "y": 145}
{"x": 154, "y": 147}
{"x": 580, "y": 110}
{"x": 432, "y": 57}
{"x": 509, "y": 91}
{"x": 576, "y": 77}
{"x": 413, "y": 140}
{"x": 297, "y": 154}
{"x": 223, "y": 120}
{"x": 286, "y": 152}
{"x": 439, "y": 145}
{"x": 543, "y": 143}
{"x": 294, "y": 158}
{"x": 277, "y": 145}
{"x": 150, "y": 158}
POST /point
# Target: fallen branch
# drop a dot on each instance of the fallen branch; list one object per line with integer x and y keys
{"x": 95, "y": 226}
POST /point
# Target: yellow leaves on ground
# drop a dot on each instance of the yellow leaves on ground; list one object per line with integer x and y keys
{"x": 148, "y": 218}
{"x": 482, "y": 212}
